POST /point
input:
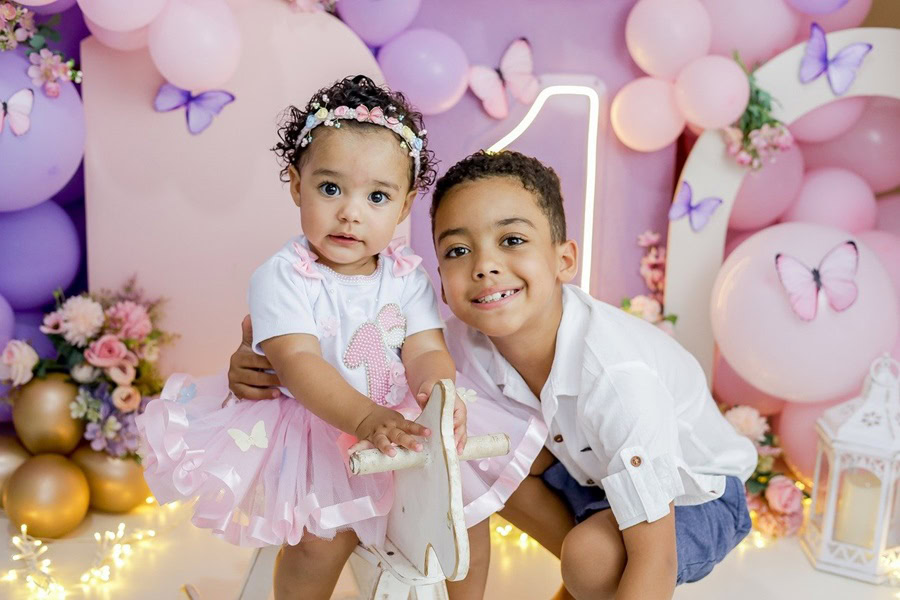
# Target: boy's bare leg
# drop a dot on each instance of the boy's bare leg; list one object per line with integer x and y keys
{"x": 310, "y": 570}
{"x": 473, "y": 586}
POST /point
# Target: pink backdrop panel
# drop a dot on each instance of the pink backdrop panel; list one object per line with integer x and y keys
{"x": 192, "y": 216}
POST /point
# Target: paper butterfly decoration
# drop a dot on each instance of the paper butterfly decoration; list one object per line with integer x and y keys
{"x": 257, "y": 437}
{"x": 516, "y": 74}
{"x": 199, "y": 109}
{"x": 841, "y": 70}
{"x": 186, "y": 394}
{"x": 17, "y": 110}
{"x": 698, "y": 214}
{"x": 834, "y": 275}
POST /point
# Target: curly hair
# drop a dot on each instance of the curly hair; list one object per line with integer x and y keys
{"x": 352, "y": 92}
{"x": 536, "y": 177}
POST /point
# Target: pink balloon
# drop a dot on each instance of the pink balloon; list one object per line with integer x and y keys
{"x": 796, "y": 430}
{"x": 712, "y": 92}
{"x": 829, "y": 121}
{"x": 196, "y": 44}
{"x": 869, "y": 148}
{"x": 767, "y": 193}
{"x": 758, "y": 30}
{"x": 120, "y": 40}
{"x": 851, "y": 15}
{"x": 886, "y": 247}
{"x": 836, "y": 198}
{"x": 733, "y": 239}
{"x": 665, "y": 35}
{"x": 731, "y": 389}
{"x": 765, "y": 342}
{"x": 644, "y": 116}
{"x": 429, "y": 66}
{"x": 889, "y": 213}
{"x": 122, "y": 15}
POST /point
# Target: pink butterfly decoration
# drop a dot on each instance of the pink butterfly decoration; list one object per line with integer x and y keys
{"x": 304, "y": 266}
{"x": 835, "y": 276}
{"x": 404, "y": 264}
{"x": 516, "y": 74}
{"x": 17, "y": 110}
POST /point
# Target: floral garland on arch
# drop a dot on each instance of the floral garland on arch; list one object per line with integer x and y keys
{"x": 653, "y": 269}
{"x": 775, "y": 500}
{"x": 108, "y": 343}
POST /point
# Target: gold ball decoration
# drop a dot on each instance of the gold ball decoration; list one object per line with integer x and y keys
{"x": 49, "y": 493}
{"x": 12, "y": 454}
{"x": 117, "y": 484}
{"x": 42, "y": 417}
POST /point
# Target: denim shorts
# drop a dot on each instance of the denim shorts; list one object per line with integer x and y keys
{"x": 704, "y": 533}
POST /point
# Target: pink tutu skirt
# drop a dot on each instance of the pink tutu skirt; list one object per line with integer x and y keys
{"x": 263, "y": 472}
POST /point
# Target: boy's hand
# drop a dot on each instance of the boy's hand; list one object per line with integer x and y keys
{"x": 384, "y": 427}
{"x": 246, "y": 370}
{"x": 424, "y": 392}
{"x": 460, "y": 413}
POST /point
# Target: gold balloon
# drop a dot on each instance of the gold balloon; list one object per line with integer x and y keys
{"x": 117, "y": 484}
{"x": 49, "y": 493}
{"x": 12, "y": 454}
{"x": 42, "y": 417}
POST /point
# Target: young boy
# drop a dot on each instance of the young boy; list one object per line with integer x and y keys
{"x": 631, "y": 424}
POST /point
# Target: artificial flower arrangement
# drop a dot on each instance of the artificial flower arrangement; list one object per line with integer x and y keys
{"x": 18, "y": 27}
{"x": 109, "y": 344}
{"x": 757, "y": 136}
{"x": 775, "y": 500}
{"x": 653, "y": 269}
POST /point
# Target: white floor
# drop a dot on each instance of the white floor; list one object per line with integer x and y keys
{"x": 520, "y": 570}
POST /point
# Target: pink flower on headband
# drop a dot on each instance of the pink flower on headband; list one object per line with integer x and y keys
{"x": 404, "y": 264}
{"x": 304, "y": 266}
{"x": 341, "y": 112}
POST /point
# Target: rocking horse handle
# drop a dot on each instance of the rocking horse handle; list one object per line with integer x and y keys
{"x": 370, "y": 461}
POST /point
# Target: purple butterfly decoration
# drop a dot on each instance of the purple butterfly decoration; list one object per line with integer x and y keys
{"x": 841, "y": 69}
{"x": 199, "y": 109}
{"x": 698, "y": 214}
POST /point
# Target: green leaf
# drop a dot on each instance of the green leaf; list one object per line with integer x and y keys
{"x": 37, "y": 41}
{"x": 626, "y": 303}
{"x": 54, "y": 20}
{"x": 755, "y": 487}
{"x": 671, "y": 318}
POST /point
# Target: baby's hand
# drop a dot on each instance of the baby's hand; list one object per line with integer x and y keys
{"x": 384, "y": 427}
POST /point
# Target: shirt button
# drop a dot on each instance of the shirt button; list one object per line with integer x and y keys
{"x": 590, "y": 482}
{"x": 636, "y": 461}
{"x": 557, "y": 438}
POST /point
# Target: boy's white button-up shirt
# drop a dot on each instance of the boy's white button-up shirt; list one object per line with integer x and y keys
{"x": 626, "y": 406}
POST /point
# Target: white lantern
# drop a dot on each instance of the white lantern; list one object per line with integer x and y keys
{"x": 854, "y": 518}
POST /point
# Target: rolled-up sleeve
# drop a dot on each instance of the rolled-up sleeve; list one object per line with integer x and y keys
{"x": 633, "y": 419}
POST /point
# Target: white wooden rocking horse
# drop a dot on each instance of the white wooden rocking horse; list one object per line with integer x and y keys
{"x": 426, "y": 542}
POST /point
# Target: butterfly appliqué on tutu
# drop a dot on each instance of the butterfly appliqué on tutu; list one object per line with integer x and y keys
{"x": 369, "y": 348}
{"x": 17, "y": 110}
{"x": 516, "y": 75}
{"x": 199, "y": 109}
{"x": 698, "y": 214}
{"x": 256, "y": 438}
{"x": 841, "y": 69}
{"x": 186, "y": 394}
{"x": 834, "y": 276}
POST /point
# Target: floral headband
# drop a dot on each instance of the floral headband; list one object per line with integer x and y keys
{"x": 331, "y": 118}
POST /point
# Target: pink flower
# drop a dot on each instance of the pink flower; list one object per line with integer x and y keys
{"x": 778, "y": 525}
{"x": 768, "y": 450}
{"x": 129, "y": 320}
{"x": 646, "y": 308}
{"x": 45, "y": 67}
{"x": 7, "y": 11}
{"x": 53, "y": 323}
{"x": 398, "y": 374}
{"x": 755, "y": 502}
{"x": 17, "y": 362}
{"x": 121, "y": 374}
{"x": 82, "y": 320}
{"x": 329, "y": 327}
{"x": 748, "y": 422}
{"x": 783, "y": 496}
{"x": 743, "y": 158}
{"x": 51, "y": 89}
{"x": 648, "y": 238}
{"x": 108, "y": 351}
{"x": 150, "y": 352}
{"x": 84, "y": 373}
{"x": 126, "y": 398}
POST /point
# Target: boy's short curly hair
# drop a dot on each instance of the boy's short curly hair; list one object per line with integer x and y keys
{"x": 536, "y": 177}
{"x": 352, "y": 92}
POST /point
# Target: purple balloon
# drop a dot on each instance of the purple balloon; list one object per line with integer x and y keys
{"x": 5, "y": 407}
{"x": 817, "y": 7}
{"x": 28, "y": 328}
{"x": 377, "y": 21}
{"x": 37, "y": 165}
{"x": 39, "y": 253}
{"x": 429, "y": 66}
{"x": 73, "y": 191}
{"x": 7, "y": 322}
{"x": 52, "y": 8}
